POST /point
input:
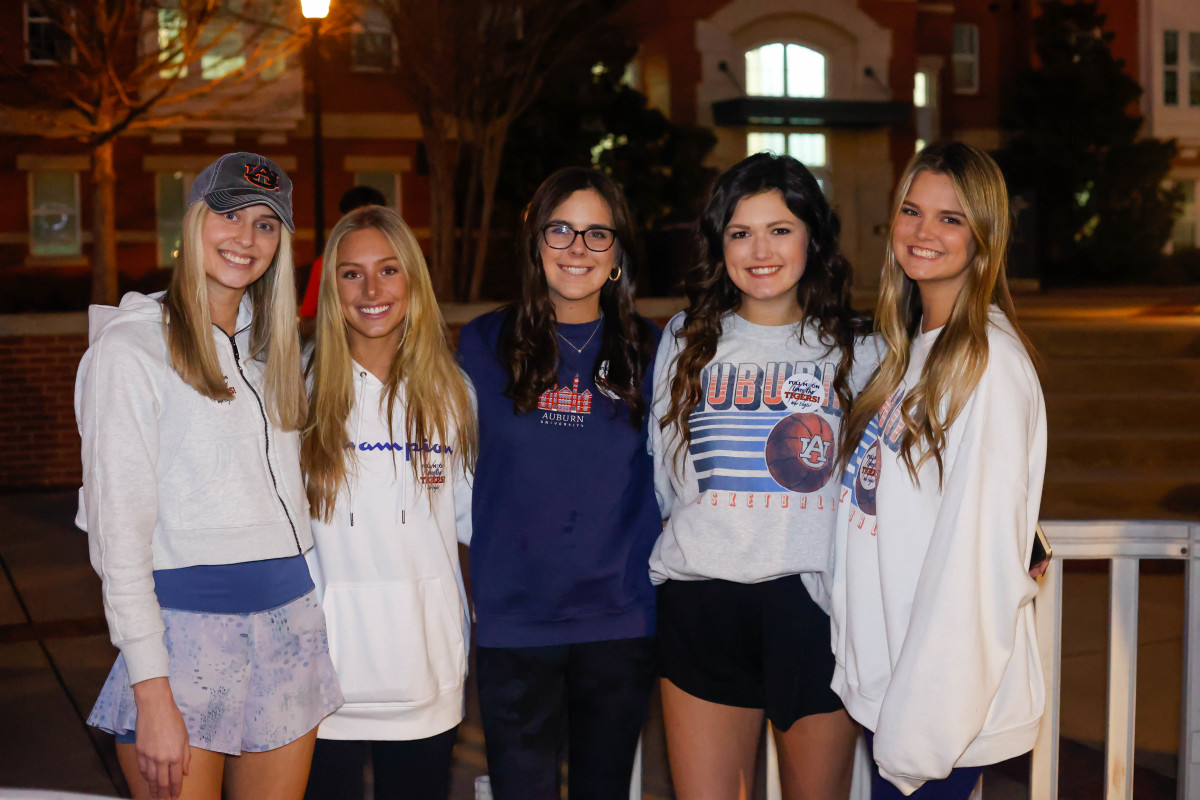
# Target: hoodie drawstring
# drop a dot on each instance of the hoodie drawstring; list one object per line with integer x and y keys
{"x": 357, "y": 439}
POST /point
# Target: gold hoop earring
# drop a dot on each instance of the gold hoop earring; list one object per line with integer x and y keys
{"x": 616, "y": 277}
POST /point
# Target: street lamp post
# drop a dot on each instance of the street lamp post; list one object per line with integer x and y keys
{"x": 315, "y": 11}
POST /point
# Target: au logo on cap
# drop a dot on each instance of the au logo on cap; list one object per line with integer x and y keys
{"x": 262, "y": 177}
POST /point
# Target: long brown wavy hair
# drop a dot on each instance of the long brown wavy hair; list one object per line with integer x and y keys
{"x": 823, "y": 291}
{"x": 528, "y": 344}
{"x": 960, "y": 355}
{"x": 437, "y": 402}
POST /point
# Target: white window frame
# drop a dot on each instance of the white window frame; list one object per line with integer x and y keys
{"x": 77, "y": 214}
{"x": 1172, "y": 70}
{"x": 372, "y": 23}
{"x": 784, "y": 76}
{"x": 969, "y": 57}
{"x": 188, "y": 177}
{"x": 29, "y": 20}
{"x": 822, "y": 172}
{"x": 398, "y": 184}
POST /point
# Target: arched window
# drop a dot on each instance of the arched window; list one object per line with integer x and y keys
{"x": 789, "y": 70}
{"x": 785, "y": 70}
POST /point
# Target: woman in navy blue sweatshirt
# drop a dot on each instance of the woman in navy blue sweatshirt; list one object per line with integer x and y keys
{"x": 564, "y": 512}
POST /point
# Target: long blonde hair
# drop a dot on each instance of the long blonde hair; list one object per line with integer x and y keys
{"x": 437, "y": 401}
{"x": 188, "y": 325}
{"x": 959, "y": 356}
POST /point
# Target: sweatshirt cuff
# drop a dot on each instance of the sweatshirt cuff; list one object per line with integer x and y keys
{"x": 146, "y": 658}
{"x": 905, "y": 784}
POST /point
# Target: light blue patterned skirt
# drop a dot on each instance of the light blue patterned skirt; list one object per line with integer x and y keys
{"x": 245, "y": 683}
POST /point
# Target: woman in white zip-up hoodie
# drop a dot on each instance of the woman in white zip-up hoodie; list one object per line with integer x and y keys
{"x": 390, "y": 436}
{"x": 189, "y": 407}
{"x": 933, "y": 626}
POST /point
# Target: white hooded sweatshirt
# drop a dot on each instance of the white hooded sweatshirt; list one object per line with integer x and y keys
{"x": 933, "y": 625}
{"x": 172, "y": 478}
{"x": 387, "y": 571}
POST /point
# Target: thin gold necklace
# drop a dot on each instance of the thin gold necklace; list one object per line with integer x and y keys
{"x": 580, "y": 350}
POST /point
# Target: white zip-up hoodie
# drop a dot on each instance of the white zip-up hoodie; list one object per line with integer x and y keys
{"x": 933, "y": 625}
{"x": 172, "y": 478}
{"x": 387, "y": 571}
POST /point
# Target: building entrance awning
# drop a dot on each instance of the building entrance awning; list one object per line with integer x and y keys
{"x": 806, "y": 112}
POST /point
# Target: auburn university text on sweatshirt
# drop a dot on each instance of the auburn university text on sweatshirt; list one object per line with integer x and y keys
{"x": 387, "y": 572}
{"x": 172, "y": 478}
{"x": 933, "y": 626}
{"x": 564, "y": 510}
{"x": 754, "y": 496}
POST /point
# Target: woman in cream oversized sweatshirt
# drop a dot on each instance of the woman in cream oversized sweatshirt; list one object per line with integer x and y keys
{"x": 933, "y": 625}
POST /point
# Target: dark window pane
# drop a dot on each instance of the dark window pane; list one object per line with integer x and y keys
{"x": 48, "y": 43}
{"x": 1194, "y": 89}
{"x": 1170, "y": 48}
{"x": 373, "y": 50}
{"x": 1194, "y": 49}
{"x": 1170, "y": 87}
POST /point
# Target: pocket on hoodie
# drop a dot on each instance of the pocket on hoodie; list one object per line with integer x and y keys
{"x": 226, "y": 486}
{"x": 399, "y": 643}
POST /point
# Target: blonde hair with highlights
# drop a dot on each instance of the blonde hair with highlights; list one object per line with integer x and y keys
{"x": 187, "y": 320}
{"x": 959, "y": 357}
{"x": 437, "y": 401}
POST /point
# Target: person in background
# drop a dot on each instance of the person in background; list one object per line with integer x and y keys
{"x": 751, "y": 384}
{"x": 386, "y": 510}
{"x": 564, "y": 513}
{"x": 190, "y": 405}
{"x": 933, "y": 620}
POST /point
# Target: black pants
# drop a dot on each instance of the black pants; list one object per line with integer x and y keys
{"x": 598, "y": 693}
{"x": 418, "y": 769}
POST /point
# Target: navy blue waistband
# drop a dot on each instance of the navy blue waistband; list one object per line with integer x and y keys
{"x": 240, "y": 588}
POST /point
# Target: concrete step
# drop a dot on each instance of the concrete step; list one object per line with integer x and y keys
{"x": 1143, "y": 413}
{"x": 1128, "y": 377}
{"x": 1105, "y": 492}
{"x": 1162, "y": 454}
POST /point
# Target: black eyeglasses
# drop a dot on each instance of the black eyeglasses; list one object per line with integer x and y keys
{"x": 596, "y": 239}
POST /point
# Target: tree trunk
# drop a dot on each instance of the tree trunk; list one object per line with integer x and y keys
{"x": 491, "y": 157}
{"x": 104, "y": 225}
{"x": 462, "y": 283}
{"x": 442, "y": 160}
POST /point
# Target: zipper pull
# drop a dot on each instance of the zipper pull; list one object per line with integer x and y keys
{"x": 402, "y": 516}
{"x": 233, "y": 344}
{"x": 351, "y": 519}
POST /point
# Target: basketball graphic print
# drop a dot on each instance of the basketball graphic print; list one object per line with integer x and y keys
{"x": 800, "y": 452}
{"x": 867, "y": 480}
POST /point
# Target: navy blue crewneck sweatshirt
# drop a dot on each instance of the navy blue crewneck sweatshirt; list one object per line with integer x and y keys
{"x": 564, "y": 513}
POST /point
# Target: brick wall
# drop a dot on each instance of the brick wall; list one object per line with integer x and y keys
{"x": 38, "y": 358}
{"x": 39, "y": 354}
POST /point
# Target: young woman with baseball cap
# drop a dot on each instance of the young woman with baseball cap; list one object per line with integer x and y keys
{"x": 932, "y": 601}
{"x": 189, "y": 405}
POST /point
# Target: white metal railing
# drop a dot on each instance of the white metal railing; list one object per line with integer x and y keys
{"x": 1124, "y": 543}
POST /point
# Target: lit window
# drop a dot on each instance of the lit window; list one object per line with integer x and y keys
{"x": 920, "y": 145}
{"x": 54, "y": 214}
{"x": 920, "y": 90}
{"x": 966, "y": 59}
{"x": 785, "y": 70}
{"x": 388, "y": 183}
{"x": 172, "y": 190}
{"x": 810, "y": 149}
{"x": 45, "y": 41}
{"x": 170, "y": 44}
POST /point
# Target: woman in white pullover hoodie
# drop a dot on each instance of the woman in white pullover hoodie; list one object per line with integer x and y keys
{"x": 189, "y": 407}
{"x": 933, "y": 627}
{"x": 390, "y": 435}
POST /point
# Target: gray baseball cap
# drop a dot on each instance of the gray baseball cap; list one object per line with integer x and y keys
{"x": 238, "y": 180}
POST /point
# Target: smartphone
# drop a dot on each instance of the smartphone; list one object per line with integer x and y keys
{"x": 1042, "y": 551}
